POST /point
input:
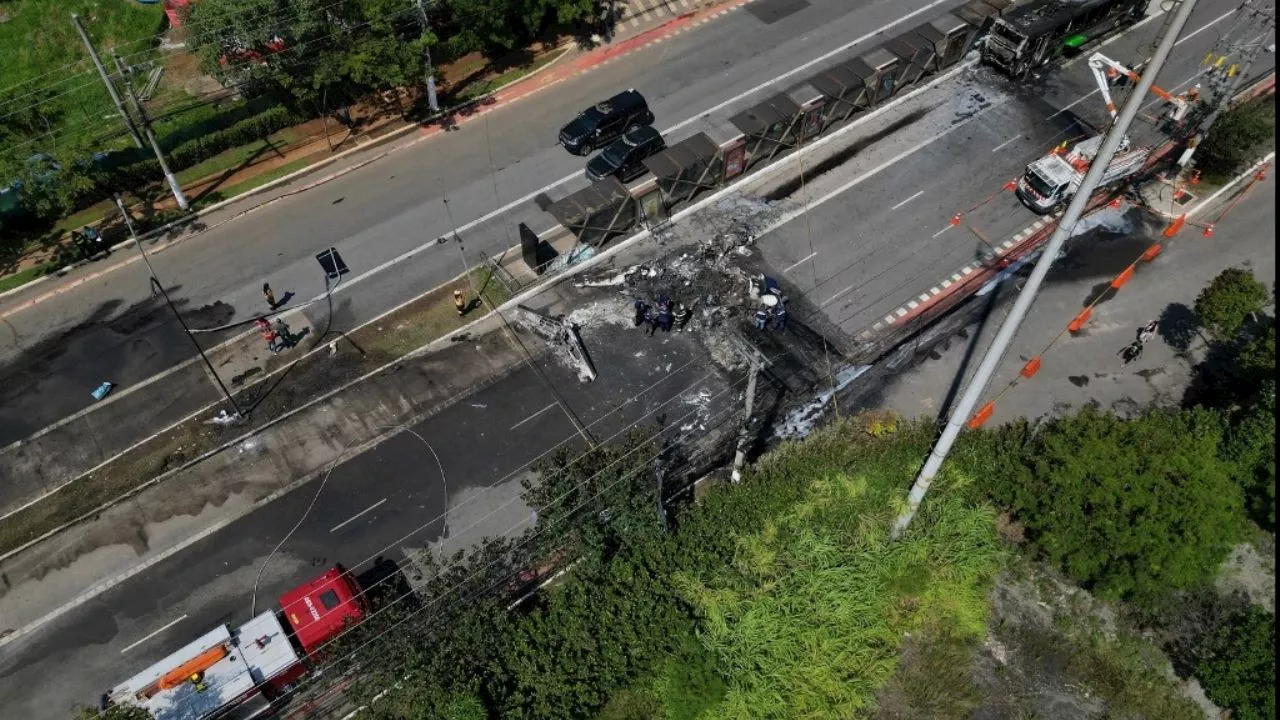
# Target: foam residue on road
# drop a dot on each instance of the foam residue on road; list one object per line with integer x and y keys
{"x": 1114, "y": 220}
{"x": 800, "y": 422}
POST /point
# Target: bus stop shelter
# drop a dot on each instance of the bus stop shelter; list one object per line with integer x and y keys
{"x": 770, "y": 127}
{"x": 597, "y": 212}
{"x": 686, "y": 168}
{"x": 845, "y": 89}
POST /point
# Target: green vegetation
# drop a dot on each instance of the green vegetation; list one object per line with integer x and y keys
{"x": 1238, "y": 378}
{"x": 1131, "y": 509}
{"x": 1226, "y": 304}
{"x": 1237, "y": 139}
{"x": 781, "y": 597}
{"x": 293, "y": 61}
{"x": 1238, "y": 667}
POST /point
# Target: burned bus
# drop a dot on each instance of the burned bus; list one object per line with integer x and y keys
{"x": 1031, "y": 35}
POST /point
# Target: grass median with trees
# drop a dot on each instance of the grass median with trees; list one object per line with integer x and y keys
{"x": 278, "y": 62}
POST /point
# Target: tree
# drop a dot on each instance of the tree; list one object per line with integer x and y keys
{"x": 1235, "y": 139}
{"x": 1130, "y": 508}
{"x": 306, "y": 51}
{"x": 1224, "y": 306}
{"x": 1238, "y": 668}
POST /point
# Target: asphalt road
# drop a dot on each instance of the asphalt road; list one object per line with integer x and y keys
{"x": 878, "y": 235}
{"x": 385, "y": 502}
{"x": 110, "y": 328}
{"x": 1084, "y": 368}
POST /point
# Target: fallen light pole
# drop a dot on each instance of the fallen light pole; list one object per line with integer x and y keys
{"x": 1018, "y": 313}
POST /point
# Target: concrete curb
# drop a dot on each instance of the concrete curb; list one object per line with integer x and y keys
{"x": 605, "y": 54}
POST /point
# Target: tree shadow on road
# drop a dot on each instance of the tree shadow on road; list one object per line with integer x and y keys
{"x": 1178, "y": 327}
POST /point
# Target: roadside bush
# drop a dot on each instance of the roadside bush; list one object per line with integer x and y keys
{"x": 1238, "y": 668}
{"x": 241, "y": 133}
{"x": 1129, "y": 508}
{"x": 1237, "y": 138}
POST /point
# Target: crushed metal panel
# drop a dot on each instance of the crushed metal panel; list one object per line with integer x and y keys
{"x": 916, "y": 54}
{"x": 950, "y": 36}
{"x": 597, "y": 212}
{"x": 686, "y": 167}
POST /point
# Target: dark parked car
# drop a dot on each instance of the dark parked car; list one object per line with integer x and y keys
{"x": 604, "y": 121}
{"x": 624, "y": 157}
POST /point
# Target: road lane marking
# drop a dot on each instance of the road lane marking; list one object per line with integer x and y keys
{"x": 357, "y": 516}
{"x": 833, "y": 298}
{"x": 153, "y": 634}
{"x": 797, "y": 263}
{"x": 1006, "y": 143}
{"x": 513, "y": 427}
{"x": 904, "y": 202}
{"x": 942, "y": 231}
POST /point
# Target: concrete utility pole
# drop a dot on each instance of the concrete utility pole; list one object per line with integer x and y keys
{"x": 106, "y": 80}
{"x": 432, "y": 101}
{"x": 964, "y": 408}
{"x": 127, "y": 70}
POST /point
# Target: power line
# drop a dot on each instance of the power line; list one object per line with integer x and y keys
{"x": 535, "y": 533}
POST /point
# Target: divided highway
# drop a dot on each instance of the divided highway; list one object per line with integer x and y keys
{"x": 387, "y": 215}
{"x": 877, "y": 233}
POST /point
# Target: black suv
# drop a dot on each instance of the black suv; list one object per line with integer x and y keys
{"x": 624, "y": 157}
{"x": 602, "y": 122}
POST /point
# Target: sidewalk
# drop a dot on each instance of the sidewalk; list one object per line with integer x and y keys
{"x": 387, "y": 138}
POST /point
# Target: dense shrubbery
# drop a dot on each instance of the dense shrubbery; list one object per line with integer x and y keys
{"x": 1131, "y": 509}
{"x": 779, "y": 594}
{"x": 1238, "y": 665}
{"x": 243, "y": 132}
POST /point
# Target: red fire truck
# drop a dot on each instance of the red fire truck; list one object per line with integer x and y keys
{"x": 239, "y": 672}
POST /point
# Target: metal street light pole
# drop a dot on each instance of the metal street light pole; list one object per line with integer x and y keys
{"x": 1066, "y": 225}
{"x": 106, "y": 80}
{"x": 432, "y": 101}
{"x": 156, "y": 285}
{"x": 169, "y": 177}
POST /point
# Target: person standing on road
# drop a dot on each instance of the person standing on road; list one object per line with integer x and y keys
{"x": 460, "y": 302}
{"x": 780, "y": 317}
{"x": 270, "y": 295}
{"x": 762, "y": 317}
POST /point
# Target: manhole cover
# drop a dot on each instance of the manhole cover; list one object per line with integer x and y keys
{"x": 771, "y": 11}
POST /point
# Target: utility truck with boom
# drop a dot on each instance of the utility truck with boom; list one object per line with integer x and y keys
{"x": 242, "y": 672}
{"x": 1051, "y": 181}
